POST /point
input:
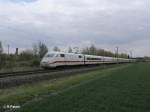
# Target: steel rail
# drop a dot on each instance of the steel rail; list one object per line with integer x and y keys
{"x": 21, "y": 73}
{"x": 38, "y": 71}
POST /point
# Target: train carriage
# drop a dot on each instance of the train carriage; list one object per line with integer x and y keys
{"x": 54, "y": 59}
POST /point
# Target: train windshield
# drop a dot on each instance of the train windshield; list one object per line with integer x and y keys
{"x": 50, "y": 55}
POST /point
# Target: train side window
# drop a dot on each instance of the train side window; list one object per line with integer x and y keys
{"x": 80, "y": 56}
{"x": 49, "y": 55}
{"x": 89, "y": 58}
{"x": 57, "y": 55}
{"x": 62, "y": 55}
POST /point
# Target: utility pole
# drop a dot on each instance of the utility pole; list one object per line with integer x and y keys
{"x": 16, "y": 52}
{"x": 131, "y": 53}
{"x": 117, "y": 54}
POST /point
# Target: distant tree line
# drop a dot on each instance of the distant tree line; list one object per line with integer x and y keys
{"x": 28, "y": 57}
{"x": 92, "y": 50}
{"x": 1, "y": 48}
{"x": 143, "y": 59}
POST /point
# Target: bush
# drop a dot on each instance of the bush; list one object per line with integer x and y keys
{"x": 35, "y": 62}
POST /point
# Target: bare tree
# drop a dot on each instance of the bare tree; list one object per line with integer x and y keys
{"x": 56, "y": 49}
{"x": 39, "y": 49}
{"x": 1, "y": 48}
{"x": 35, "y": 49}
{"x": 85, "y": 51}
{"x": 42, "y": 49}
{"x": 1, "y": 51}
{"x": 69, "y": 50}
{"x": 92, "y": 50}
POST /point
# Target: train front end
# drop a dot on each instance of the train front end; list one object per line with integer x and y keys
{"x": 48, "y": 61}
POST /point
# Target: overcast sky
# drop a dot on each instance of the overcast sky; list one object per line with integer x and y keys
{"x": 64, "y": 23}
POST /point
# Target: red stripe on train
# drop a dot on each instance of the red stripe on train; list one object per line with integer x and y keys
{"x": 72, "y": 61}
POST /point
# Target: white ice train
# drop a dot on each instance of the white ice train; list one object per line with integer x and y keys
{"x": 55, "y": 59}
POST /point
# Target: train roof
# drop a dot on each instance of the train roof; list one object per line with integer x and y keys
{"x": 55, "y": 52}
{"x": 63, "y": 53}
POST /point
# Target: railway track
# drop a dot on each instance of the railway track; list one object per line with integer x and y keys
{"x": 18, "y": 78}
{"x": 31, "y": 72}
{"x": 38, "y": 71}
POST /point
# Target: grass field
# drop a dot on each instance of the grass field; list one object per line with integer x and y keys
{"x": 25, "y": 93}
{"x": 122, "y": 90}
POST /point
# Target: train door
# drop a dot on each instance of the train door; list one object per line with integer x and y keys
{"x": 84, "y": 59}
{"x": 67, "y": 59}
{"x": 62, "y": 61}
